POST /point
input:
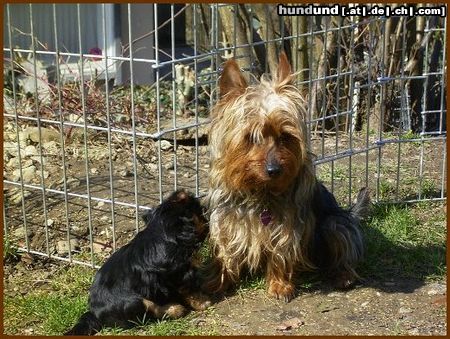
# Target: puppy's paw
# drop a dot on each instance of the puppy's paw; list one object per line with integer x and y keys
{"x": 281, "y": 290}
{"x": 198, "y": 301}
{"x": 171, "y": 311}
{"x": 174, "y": 311}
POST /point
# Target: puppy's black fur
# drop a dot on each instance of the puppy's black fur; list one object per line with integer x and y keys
{"x": 152, "y": 276}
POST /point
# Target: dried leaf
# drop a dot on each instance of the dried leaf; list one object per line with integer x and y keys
{"x": 290, "y": 324}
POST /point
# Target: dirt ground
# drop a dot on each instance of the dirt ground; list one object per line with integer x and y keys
{"x": 395, "y": 307}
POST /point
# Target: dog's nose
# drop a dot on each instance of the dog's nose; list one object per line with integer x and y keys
{"x": 273, "y": 169}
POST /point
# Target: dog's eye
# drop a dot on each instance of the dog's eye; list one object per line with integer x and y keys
{"x": 284, "y": 138}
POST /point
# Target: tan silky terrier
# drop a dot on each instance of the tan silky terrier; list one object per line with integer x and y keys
{"x": 268, "y": 211}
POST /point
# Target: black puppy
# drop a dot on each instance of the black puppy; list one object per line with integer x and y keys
{"x": 155, "y": 274}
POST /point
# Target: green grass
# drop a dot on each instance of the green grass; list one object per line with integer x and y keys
{"x": 47, "y": 314}
{"x": 256, "y": 282}
{"x": 50, "y": 311}
{"x": 53, "y": 310}
{"x": 10, "y": 252}
{"x": 183, "y": 326}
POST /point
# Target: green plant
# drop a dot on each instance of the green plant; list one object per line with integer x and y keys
{"x": 428, "y": 188}
{"x": 10, "y": 252}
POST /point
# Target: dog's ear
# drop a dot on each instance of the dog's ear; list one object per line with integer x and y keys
{"x": 180, "y": 196}
{"x": 284, "y": 72}
{"x": 232, "y": 79}
{"x": 147, "y": 216}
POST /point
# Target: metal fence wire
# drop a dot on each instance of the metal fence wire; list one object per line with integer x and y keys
{"x": 105, "y": 109}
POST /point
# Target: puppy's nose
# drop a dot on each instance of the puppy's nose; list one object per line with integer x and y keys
{"x": 273, "y": 169}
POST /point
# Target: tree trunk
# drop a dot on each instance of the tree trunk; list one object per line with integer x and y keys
{"x": 236, "y": 35}
{"x": 300, "y": 60}
{"x": 327, "y": 61}
{"x": 267, "y": 32}
{"x": 416, "y": 85}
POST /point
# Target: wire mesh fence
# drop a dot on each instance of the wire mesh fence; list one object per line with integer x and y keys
{"x": 106, "y": 109}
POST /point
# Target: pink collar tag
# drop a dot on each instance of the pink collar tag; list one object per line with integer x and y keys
{"x": 266, "y": 217}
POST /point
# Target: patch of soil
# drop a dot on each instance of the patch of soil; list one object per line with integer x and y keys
{"x": 396, "y": 307}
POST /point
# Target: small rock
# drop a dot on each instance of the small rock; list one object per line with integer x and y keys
{"x": 17, "y": 195}
{"x": 169, "y": 166}
{"x": 62, "y": 246}
{"x": 414, "y": 331}
{"x": 50, "y": 147}
{"x": 20, "y": 233}
{"x": 100, "y": 204}
{"x": 50, "y": 222}
{"x": 79, "y": 230}
{"x": 39, "y": 159}
{"x": 27, "y": 163}
{"x": 152, "y": 167}
{"x": 29, "y": 331}
{"x": 289, "y": 324}
{"x": 126, "y": 173}
{"x": 364, "y": 304}
{"x": 437, "y": 289}
{"x": 94, "y": 170}
{"x": 10, "y": 148}
{"x": 24, "y": 136}
{"x": 28, "y": 174}
{"x": 333, "y": 294}
{"x": 100, "y": 248}
{"x": 71, "y": 182}
{"x": 404, "y": 310}
{"x": 165, "y": 145}
{"x": 47, "y": 134}
{"x": 13, "y": 163}
{"x": 99, "y": 153}
{"x": 30, "y": 150}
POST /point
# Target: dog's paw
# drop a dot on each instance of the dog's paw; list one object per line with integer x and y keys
{"x": 198, "y": 301}
{"x": 344, "y": 280}
{"x": 281, "y": 290}
{"x": 201, "y": 305}
{"x": 175, "y": 311}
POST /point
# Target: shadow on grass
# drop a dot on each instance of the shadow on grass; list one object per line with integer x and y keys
{"x": 401, "y": 252}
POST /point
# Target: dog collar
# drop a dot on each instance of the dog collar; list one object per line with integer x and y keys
{"x": 265, "y": 217}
